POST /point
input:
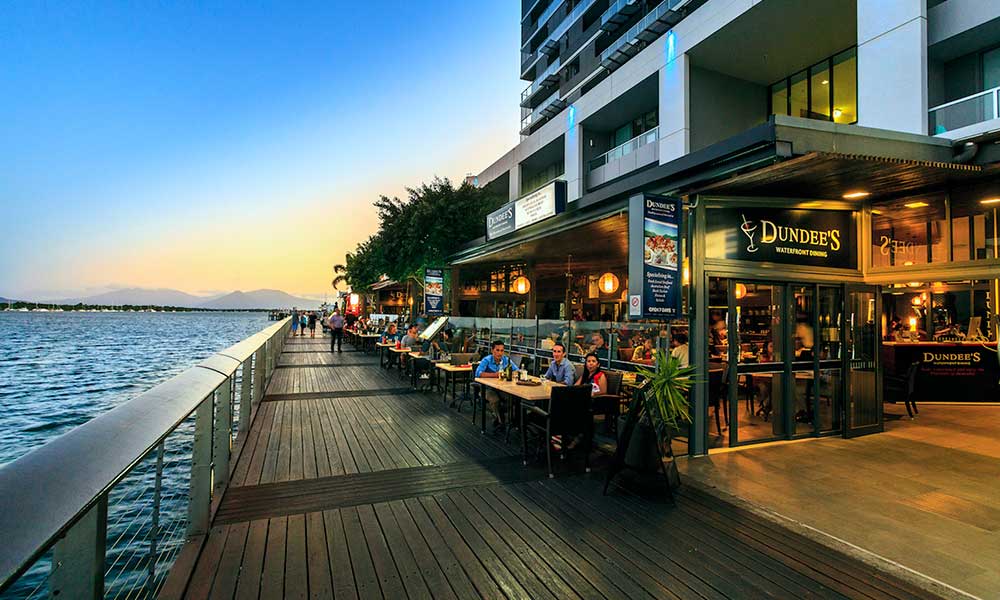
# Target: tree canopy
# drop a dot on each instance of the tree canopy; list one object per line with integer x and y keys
{"x": 422, "y": 230}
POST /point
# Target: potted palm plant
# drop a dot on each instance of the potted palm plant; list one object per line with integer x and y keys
{"x": 666, "y": 411}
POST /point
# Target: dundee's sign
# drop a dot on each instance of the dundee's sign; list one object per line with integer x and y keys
{"x": 536, "y": 206}
{"x": 817, "y": 238}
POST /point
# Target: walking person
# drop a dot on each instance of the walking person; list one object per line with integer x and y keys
{"x": 303, "y": 323}
{"x": 336, "y": 323}
{"x": 312, "y": 323}
{"x": 295, "y": 322}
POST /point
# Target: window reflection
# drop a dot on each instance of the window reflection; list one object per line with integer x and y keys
{"x": 911, "y": 231}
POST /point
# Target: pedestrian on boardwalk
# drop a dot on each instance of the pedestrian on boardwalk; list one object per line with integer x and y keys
{"x": 336, "y": 323}
{"x": 312, "y": 323}
{"x": 295, "y": 322}
{"x": 303, "y": 323}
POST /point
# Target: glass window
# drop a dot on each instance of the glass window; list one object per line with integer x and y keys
{"x": 800, "y": 95}
{"x": 779, "y": 98}
{"x": 760, "y": 371}
{"x": 991, "y": 69}
{"x": 819, "y": 84}
{"x": 845, "y": 87}
{"x": 622, "y": 135}
{"x": 910, "y": 231}
{"x": 974, "y": 226}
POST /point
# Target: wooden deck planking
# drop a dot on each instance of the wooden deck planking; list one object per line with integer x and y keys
{"x": 396, "y": 496}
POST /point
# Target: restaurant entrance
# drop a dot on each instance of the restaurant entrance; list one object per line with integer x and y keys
{"x": 791, "y": 359}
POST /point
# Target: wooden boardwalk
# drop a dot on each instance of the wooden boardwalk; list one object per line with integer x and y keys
{"x": 348, "y": 487}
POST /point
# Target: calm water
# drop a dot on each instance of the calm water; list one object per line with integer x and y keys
{"x": 59, "y": 370}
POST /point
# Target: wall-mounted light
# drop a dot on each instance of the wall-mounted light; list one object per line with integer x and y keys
{"x": 608, "y": 283}
{"x": 913, "y": 324}
{"x": 916, "y": 301}
{"x": 522, "y": 285}
{"x": 686, "y": 272}
{"x": 740, "y": 290}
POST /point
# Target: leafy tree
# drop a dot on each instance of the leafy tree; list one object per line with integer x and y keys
{"x": 430, "y": 224}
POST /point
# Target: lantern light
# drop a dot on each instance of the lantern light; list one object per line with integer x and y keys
{"x": 355, "y": 299}
{"x": 608, "y": 283}
{"x": 916, "y": 301}
{"x": 913, "y": 323}
{"x": 522, "y": 285}
{"x": 741, "y": 290}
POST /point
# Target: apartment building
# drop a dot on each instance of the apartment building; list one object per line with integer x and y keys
{"x": 872, "y": 121}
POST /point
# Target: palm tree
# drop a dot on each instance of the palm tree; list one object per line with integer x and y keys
{"x": 339, "y": 275}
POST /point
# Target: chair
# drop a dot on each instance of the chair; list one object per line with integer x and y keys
{"x": 625, "y": 354}
{"x": 609, "y": 404}
{"x": 568, "y": 416}
{"x": 578, "y": 369}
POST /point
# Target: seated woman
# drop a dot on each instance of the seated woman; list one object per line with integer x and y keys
{"x": 593, "y": 376}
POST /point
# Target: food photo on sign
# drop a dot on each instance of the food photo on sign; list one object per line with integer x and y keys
{"x": 660, "y": 248}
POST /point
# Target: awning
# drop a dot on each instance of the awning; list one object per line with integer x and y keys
{"x": 829, "y": 176}
{"x": 381, "y": 285}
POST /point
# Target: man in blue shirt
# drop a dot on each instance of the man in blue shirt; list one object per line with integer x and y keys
{"x": 490, "y": 367}
{"x": 560, "y": 370}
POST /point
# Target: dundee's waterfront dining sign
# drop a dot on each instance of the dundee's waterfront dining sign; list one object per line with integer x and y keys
{"x": 541, "y": 204}
{"x": 654, "y": 257}
{"x": 817, "y": 238}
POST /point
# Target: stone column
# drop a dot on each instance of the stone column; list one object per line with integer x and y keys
{"x": 674, "y": 115}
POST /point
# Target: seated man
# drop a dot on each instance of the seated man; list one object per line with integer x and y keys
{"x": 679, "y": 349}
{"x": 598, "y": 345}
{"x": 410, "y": 340}
{"x": 560, "y": 370}
{"x": 643, "y": 353}
{"x": 490, "y": 367}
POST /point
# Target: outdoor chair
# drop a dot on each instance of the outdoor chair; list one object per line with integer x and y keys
{"x": 568, "y": 416}
{"x": 609, "y": 404}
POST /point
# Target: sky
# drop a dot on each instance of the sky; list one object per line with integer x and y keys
{"x": 215, "y": 146}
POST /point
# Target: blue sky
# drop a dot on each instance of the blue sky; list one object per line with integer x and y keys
{"x": 218, "y": 146}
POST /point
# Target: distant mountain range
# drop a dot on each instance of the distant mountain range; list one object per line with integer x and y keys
{"x": 238, "y": 300}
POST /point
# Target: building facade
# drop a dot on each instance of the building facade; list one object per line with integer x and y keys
{"x": 777, "y": 123}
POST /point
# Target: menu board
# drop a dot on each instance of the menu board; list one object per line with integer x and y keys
{"x": 947, "y": 372}
{"x": 433, "y": 292}
{"x": 817, "y": 238}
{"x": 654, "y": 257}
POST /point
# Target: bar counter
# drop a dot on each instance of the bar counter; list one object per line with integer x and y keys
{"x": 948, "y": 371}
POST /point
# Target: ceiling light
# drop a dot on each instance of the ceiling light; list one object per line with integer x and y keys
{"x": 837, "y": 113}
{"x": 855, "y": 195}
{"x": 876, "y": 212}
{"x": 916, "y": 204}
{"x": 825, "y": 81}
{"x": 990, "y": 201}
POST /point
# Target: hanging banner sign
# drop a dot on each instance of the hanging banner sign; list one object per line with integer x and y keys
{"x": 816, "y": 238}
{"x": 654, "y": 257}
{"x": 433, "y": 292}
{"x": 541, "y": 204}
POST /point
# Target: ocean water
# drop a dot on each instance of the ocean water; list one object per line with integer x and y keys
{"x": 59, "y": 370}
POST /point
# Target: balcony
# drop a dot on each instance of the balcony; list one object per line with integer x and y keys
{"x": 548, "y": 78}
{"x": 538, "y": 26}
{"x": 549, "y": 108}
{"x": 967, "y": 116}
{"x": 617, "y": 14}
{"x": 638, "y": 152}
{"x": 550, "y": 45}
{"x": 653, "y": 25}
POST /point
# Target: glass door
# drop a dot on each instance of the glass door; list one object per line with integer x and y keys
{"x": 757, "y": 362}
{"x": 801, "y": 339}
{"x": 863, "y": 413}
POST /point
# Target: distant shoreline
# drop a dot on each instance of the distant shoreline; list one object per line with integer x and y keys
{"x": 39, "y": 307}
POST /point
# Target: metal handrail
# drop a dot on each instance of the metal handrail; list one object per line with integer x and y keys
{"x": 646, "y": 137}
{"x": 46, "y": 492}
{"x": 966, "y": 99}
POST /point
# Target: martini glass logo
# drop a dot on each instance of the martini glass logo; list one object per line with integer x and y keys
{"x": 748, "y": 229}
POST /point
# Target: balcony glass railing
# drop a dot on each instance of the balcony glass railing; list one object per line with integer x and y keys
{"x": 970, "y": 110}
{"x": 615, "y": 8}
{"x": 632, "y": 34}
{"x": 537, "y": 83}
{"x": 536, "y": 114}
{"x": 627, "y": 148}
{"x": 547, "y": 13}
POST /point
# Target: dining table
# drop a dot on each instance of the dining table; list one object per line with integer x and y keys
{"x": 532, "y": 394}
{"x": 453, "y": 373}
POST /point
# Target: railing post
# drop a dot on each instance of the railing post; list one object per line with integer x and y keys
{"x": 996, "y": 103}
{"x": 154, "y": 528}
{"x": 258, "y": 375}
{"x": 246, "y": 391}
{"x": 78, "y": 558}
{"x": 200, "y": 493}
{"x": 223, "y": 435}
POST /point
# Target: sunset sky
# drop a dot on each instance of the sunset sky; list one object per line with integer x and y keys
{"x": 233, "y": 147}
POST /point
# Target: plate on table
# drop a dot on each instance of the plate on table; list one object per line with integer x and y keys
{"x": 529, "y": 382}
